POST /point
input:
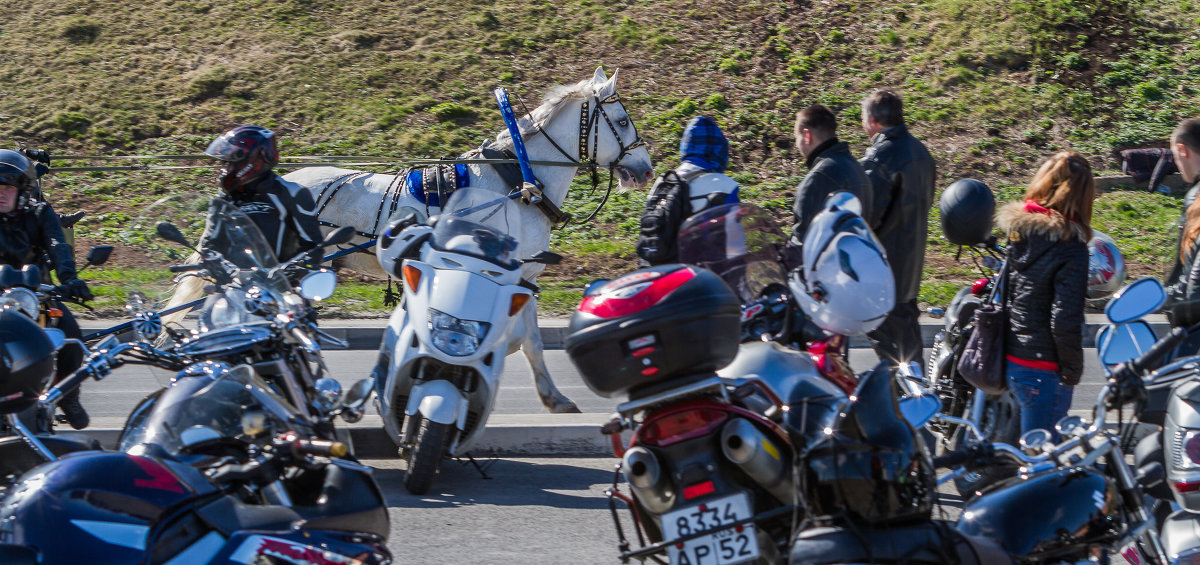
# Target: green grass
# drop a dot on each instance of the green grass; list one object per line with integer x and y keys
{"x": 992, "y": 88}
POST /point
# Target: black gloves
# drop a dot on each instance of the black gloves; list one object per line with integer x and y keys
{"x": 76, "y": 289}
{"x": 39, "y": 155}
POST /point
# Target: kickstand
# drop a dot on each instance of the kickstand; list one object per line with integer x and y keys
{"x": 481, "y": 468}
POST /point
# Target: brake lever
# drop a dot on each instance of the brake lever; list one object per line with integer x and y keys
{"x": 321, "y": 334}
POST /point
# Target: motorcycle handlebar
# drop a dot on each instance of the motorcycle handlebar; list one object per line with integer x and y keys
{"x": 185, "y": 268}
{"x": 319, "y": 447}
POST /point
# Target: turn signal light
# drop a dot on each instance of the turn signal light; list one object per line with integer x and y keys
{"x": 54, "y": 312}
{"x": 412, "y": 277}
{"x": 518, "y": 302}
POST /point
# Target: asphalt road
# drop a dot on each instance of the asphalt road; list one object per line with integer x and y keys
{"x": 117, "y": 395}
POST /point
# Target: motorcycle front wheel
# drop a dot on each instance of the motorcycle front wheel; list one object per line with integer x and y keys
{"x": 425, "y": 455}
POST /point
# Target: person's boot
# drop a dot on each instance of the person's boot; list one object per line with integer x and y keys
{"x": 77, "y": 417}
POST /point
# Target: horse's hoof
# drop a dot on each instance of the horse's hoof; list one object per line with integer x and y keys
{"x": 568, "y": 408}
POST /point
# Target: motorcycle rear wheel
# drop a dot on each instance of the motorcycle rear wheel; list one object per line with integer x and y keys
{"x": 425, "y": 455}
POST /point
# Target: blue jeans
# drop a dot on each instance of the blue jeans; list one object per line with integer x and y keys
{"x": 1044, "y": 400}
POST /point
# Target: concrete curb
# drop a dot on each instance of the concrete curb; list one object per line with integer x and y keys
{"x": 366, "y": 334}
{"x": 505, "y": 435}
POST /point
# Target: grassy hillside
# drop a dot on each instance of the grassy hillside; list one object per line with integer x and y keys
{"x": 991, "y": 87}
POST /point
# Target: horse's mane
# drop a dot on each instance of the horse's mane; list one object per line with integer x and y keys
{"x": 546, "y": 109}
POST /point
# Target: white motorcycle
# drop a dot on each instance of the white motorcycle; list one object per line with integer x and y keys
{"x": 450, "y": 334}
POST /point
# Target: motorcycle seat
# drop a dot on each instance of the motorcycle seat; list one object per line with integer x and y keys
{"x": 228, "y": 516}
{"x": 925, "y": 543}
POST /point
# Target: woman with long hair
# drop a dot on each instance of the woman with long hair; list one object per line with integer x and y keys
{"x": 1185, "y": 146}
{"x": 1048, "y": 231}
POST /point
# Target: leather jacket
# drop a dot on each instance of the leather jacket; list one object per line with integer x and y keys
{"x": 32, "y": 233}
{"x": 902, "y": 174}
{"x": 283, "y": 211}
{"x": 1047, "y": 288}
{"x": 831, "y": 168}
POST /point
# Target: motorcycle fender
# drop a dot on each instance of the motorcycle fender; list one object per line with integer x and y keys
{"x": 438, "y": 401}
{"x": 1180, "y": 533}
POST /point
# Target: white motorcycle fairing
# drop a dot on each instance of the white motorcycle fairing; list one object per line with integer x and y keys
{"x": 466, "y": 288}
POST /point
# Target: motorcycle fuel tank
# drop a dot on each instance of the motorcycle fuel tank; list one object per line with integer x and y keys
{"x": 1045, "y": 514}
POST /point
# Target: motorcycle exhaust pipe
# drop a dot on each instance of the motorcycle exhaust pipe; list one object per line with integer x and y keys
{"x": 759, "y": 458}
{"x": 645, "y": 477}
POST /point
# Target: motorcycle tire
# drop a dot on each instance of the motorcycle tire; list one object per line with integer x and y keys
{"x": 425, "y": 455}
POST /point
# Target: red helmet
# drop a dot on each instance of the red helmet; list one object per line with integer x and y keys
{"x": 249, "y": 151}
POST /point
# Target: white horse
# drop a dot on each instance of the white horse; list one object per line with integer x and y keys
{"x": 583, "y": 123}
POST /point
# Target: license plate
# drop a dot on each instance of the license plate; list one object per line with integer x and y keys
{"x": 723, "y": 545}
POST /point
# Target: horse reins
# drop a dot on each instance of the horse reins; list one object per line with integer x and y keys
{"x": 589, "y": 121}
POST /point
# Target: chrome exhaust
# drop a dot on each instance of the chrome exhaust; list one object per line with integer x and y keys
{"x": 645, "y": 477}
{"x": 759, "y": 458}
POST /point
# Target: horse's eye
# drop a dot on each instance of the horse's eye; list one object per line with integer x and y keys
{"x": 623, "y": 122}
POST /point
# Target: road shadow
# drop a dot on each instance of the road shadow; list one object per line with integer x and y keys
{"x": 547, "y": 482}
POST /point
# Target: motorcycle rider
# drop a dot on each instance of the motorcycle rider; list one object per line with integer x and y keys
{"x": 30, "y": 233}
{"x": 902, "y": 173}
{"x": 282, "y": 210}
{"x": 831, "y": 168}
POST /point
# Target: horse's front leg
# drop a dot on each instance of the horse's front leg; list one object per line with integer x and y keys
{"x": 531, "y": 344}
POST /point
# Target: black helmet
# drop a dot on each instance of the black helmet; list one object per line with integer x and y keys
{"x": 17, "y": 170}
{"x": 249, "y": 152}
{"x": 967, "y": 206}
{"x": 26, "y": 361}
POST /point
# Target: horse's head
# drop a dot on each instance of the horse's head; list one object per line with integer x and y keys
{"x": 587, "y": 122}
{"x": 611, "y": 139}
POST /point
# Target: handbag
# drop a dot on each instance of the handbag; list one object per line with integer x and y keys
{"x": 982, "y": 361}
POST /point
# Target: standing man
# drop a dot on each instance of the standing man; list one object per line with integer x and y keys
{"x": 831, "y": 167}
{"x": 902, "y": 174}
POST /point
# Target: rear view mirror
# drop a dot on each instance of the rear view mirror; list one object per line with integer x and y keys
{"x": 545, "y": 258}
{"x": 1122, "y": 342}
{"x": 338, "y": 236}
{"x": 169, "y": 232}
{"x": 98, "y": 255}
{"x": 1137, "y": 299}
{"x": 318, "y": 285}
{"x": 354, "y": 403}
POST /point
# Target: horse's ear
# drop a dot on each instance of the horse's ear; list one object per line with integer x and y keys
{"x": 599, "y": 78}
{"x": 608, "y": 86}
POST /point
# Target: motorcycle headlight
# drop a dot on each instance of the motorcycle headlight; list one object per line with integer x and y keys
{"x": 454, "y": 336}
{"x": 23, "y": 299}
{"x": 224, "y": 313}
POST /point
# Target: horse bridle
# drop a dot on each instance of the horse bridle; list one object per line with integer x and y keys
{"x": 590, "y": 121}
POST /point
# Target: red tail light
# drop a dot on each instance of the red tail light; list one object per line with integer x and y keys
{"x": 683, "y": 425}
{"x": 698, "y": 489}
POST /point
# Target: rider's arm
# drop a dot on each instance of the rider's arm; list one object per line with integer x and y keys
{"x": 54, "y": 243}
{"x": 305, "y": 220}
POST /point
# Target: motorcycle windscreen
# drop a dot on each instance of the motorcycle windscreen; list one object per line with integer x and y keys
{"x": 481, "y": 224}
{"x": 231, "y": 404}
{"x": 740, "y": 242}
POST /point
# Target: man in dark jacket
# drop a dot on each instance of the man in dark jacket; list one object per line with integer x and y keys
{"x": 831, "y": 168}
{"x": 902, "y": 174}
{"x": 30, "y": 234}
{"x": 283, "y": 211}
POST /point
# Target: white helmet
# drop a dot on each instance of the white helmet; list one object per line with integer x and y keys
{"x": 403, "y": 236}
{"x": 846, "y": 285}
{"x": 1106, "y": 267}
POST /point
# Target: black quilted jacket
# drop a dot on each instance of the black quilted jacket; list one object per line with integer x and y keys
{"x": 1047, "y": 288}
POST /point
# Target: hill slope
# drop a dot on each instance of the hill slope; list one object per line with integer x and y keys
{"x": 991, "y": 87}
